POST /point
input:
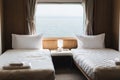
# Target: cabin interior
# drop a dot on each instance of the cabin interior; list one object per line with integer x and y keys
{"x": 106, "y": 19}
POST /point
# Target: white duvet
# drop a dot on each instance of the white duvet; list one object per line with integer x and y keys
{"x": 39, "y": 59}
{"x": 97, "y": 60}
{"x": 41, "y": 66}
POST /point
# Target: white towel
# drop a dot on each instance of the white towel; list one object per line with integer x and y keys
{"x": 13, "y": 66}
{"x": 16, "y": 64}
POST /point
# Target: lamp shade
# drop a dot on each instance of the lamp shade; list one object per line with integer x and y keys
{"x": 60, "y": 43}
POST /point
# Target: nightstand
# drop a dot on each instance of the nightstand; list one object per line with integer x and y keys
{"x": 62, "y": 59}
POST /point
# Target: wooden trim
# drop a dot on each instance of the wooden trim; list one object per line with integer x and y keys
{"x": 1, "y": 25}
{"x": 51, "y": 43}
{"x": 84, "y": 73}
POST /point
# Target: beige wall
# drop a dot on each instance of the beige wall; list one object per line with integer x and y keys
{"x": 116, "y": 23}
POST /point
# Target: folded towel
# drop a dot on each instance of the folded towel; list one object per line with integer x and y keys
{"x": 117, "y": 63}
{"x": 16, "y": 64}
{"x": 15, "y": 67}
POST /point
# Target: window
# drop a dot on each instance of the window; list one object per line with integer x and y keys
{"x": 59, "y": 20}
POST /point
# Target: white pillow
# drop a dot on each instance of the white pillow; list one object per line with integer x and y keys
{"x": 26, "y": 41}
{"x": 91, "y": 42}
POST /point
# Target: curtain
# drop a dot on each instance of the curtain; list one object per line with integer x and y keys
{"x": 88, "y": 19}
{"x": 30, "y": 16}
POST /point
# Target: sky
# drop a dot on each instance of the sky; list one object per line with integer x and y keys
{"x": 64, "y": 10}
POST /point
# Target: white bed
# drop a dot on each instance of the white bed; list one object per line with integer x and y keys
{"x": 98, "y": 64}
{"x": 41, "y": 66}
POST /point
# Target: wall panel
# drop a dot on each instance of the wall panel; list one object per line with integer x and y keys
{"x": 14, "y": 19}
{"x": 116, "y": 24}
{"x": 103, "y": 20}
{"x": 51, "y": 43}
{"x": 1, "y": 24}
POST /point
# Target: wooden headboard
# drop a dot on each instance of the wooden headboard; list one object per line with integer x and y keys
{"x": 51, "y": 43}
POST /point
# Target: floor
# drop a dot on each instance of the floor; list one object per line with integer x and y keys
{"x": 69, "y": 74}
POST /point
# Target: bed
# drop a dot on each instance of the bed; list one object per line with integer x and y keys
{"x": 98, "y": 64}
{"x": 41, "y": 66}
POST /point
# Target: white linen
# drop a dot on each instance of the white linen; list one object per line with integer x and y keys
{"x": 91, "y": 41}
{"x": 97, "y": 60}
{"x": 41, "y": 66}
{"x": 37, "y": 58}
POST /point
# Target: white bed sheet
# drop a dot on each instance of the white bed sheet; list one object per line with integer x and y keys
{"x": 94, "y": 60}
{"x": 40, "y": 61}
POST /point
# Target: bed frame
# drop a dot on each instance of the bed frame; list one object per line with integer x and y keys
{"x": 88, "y": 78}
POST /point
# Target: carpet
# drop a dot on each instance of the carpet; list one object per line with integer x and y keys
{"x": 69, "y": 74}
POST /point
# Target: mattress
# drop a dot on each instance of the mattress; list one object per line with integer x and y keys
{"x": 98, "y": 64}
{"x": 41, "y": 66}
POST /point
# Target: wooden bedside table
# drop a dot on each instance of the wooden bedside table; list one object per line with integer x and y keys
{"x": 62, "y": 59}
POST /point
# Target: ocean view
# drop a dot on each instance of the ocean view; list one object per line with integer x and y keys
{"x": 59, "y": 26}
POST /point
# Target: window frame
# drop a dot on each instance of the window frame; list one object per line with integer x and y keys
{"x": 47, "y": 2}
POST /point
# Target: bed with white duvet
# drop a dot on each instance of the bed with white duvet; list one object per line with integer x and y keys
{"x": 98, "y": 64}
{"x": 41, "y": 66}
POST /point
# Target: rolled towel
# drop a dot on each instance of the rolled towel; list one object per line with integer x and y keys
{"x": 117, "y": 63}
{"x": 16, "y": 64}
{"x": 15, "y": 67}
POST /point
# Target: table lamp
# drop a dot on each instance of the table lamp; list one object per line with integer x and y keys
{"x": 60, "y": 44}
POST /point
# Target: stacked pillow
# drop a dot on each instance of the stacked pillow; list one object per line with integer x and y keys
{"x": 91, "y": 42}
{"x": 26, "y": 41}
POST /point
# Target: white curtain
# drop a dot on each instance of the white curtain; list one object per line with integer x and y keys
{"x": 30, "y": 16}
{"x": 88, "y": 16}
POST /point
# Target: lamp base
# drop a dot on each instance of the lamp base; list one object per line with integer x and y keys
{"x": 60, "y": 49}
